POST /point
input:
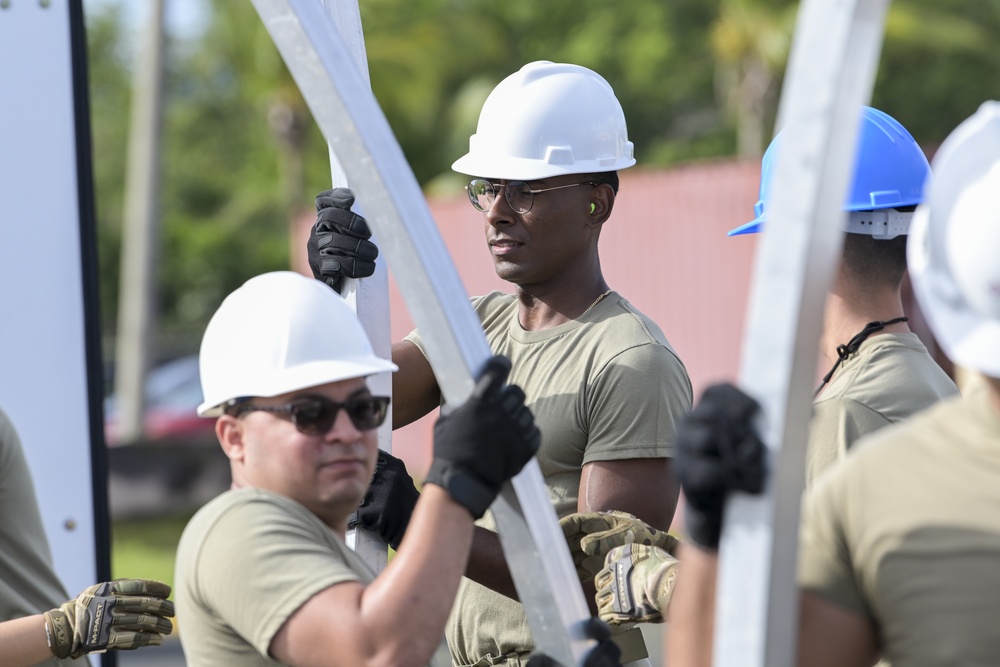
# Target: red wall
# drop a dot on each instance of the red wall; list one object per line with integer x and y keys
{"x": 665, "y": 249}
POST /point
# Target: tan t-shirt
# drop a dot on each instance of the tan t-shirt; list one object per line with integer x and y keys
{"x": 245, "y": 563}
{"x": 889, "y": 378}
{"x": 28, "y": 583}
{"x": 607, "y": 386}
{"x": 906, "y": 532}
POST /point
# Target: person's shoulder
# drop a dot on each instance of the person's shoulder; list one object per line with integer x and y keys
{"x": 493, "y": 307}
{"x": 236, "y": 504}
{"x": 493, "y": 301}
{"x": 624, "y": 326}
{"x": 928, "y": 429}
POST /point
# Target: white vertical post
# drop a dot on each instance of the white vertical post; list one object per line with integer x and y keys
{"x": 369, "y": 297}
{"x": 50, "y": 384}
{"x": 830, "y": 75}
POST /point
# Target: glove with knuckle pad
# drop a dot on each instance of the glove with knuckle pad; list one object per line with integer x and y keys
{"x": 485, "y": 441}
{"x": 389, "y": 502}
{"x": 718, "y": 452}
{"x": 339, "y": 245}
{"x": 120, "y": 614}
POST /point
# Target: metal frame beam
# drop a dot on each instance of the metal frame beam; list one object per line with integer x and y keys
{"x": 356, "y": 129}
{"x": 830, "y": 74}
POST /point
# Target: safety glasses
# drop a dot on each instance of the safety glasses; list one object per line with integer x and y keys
{"x": 518, "y": 194}
{"x": 315, "y": 415}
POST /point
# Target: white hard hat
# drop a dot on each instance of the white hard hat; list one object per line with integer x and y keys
{"x": 954, "y": 248}
{"x": 548, "y": 119}
{"x": 280, "y": 332}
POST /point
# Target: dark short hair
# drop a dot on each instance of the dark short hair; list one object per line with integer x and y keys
{"x": 875, "y": 261}
{"x": 609, "y": 177}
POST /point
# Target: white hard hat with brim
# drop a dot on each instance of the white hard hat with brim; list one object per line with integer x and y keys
{"x": 954, "y": 246}
{"x": 281, "y": 332}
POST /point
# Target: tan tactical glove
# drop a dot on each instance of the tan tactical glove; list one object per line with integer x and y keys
{"x": 591, "y": 535}
{"x": 636, "y": 585}
{"x": 120, "y": 614}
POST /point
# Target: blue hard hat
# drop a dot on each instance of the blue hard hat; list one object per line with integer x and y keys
{"x": 890, "y": 171}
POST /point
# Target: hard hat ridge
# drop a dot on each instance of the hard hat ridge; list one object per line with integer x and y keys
{"x": 890, "y": 173}
{"x": 545, "y": 120}
{"x": 281, "y": 332}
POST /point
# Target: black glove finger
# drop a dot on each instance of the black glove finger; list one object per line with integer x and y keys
{"x": 335, "y": 198}
{"x": 751, "y": 462}
{"x": 350, "y": 267}
{"x": 339, "y": 244}
{"x": 343, "y": 222}
{"x": 727, "y": 399}
{"x": 597, "y": 629}
{"x": 697, "y": 439}
{"x": 491, "y": 377}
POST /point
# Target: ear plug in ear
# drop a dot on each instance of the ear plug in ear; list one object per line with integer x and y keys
{"x": 593, "y": 207}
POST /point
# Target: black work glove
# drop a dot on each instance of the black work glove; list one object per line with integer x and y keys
{"x": 388, "y": 505}
{"x": 485, "y": 441}
{"x": 338, "y": 244}
{"x": 718, "y": 452}
{"x": 605, "y": 654}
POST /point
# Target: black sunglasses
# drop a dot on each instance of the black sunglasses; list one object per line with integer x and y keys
{"x": 315, "y": 415}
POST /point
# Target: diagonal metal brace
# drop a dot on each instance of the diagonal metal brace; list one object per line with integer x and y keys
{"x": 356, "y": 129}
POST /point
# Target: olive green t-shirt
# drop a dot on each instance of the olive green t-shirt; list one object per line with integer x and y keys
{"x": 606, "y": 386}
{"x": 889, "y": 378}
{"x": 28, "y": 582}
{"x": 245, "y": 563}
{"x": 906, "y": 532}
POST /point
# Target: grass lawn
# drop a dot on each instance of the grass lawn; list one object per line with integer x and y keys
{"x": 145, "y": 548}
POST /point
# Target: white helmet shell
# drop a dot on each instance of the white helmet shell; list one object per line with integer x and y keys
{"x": 954, "y": 244}
{"x": 281, "y": 332}
{"x": 548, "y": 119}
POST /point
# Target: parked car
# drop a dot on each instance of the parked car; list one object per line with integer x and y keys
{"x": 173, "y": 393}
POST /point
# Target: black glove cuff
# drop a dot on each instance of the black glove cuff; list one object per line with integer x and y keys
{"x": 465, "y": 489}
{"x": 703, "y": 530}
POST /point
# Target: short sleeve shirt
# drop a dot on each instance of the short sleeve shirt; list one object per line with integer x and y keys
{"x": 889, "y": 378}
{"x": 28, "y": 582}
{"x": 906, "y": 532}
{"x": 606, "y": 386}
{"x": 245, "y": 563}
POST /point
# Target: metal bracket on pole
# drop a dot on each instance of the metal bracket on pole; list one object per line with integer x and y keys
{"x": 369, "y": 297}
{"x": 830, "y": 75}
{"x": 353, "y": 124}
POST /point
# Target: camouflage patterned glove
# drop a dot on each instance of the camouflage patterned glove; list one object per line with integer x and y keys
{"x": 636, "y": 584}
{"x": 120, "y": 614}
{"x": 591, "y": 535}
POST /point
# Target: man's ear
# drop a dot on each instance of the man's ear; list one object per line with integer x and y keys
{"x": 603, "y": 201}
{"x": 229, "y": 431}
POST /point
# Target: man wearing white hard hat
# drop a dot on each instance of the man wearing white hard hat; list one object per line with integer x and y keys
{"x": 900, "y": 540}
{"x": 263, "y": 574}
{"x": 606, "y": 387}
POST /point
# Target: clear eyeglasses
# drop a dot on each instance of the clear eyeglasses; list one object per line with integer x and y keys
{"x": 518, "y": 194}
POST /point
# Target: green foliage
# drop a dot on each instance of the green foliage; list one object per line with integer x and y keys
{"x": 241, "y": 153}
